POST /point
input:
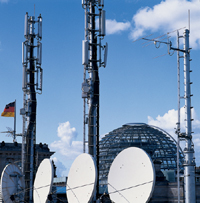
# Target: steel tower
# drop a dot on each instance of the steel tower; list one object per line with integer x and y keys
{"x": 31, "y": 84}
{"x": 91, "y": 59}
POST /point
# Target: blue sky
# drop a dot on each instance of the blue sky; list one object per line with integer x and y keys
{"x": 134, "y": 87}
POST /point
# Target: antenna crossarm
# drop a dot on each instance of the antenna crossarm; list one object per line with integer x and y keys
{"x": 181, "y": 50}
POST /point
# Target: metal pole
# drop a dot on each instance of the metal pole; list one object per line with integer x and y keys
{"x": 30, "y": 137}
{"x": 14, "y": 133}
{"x": 84, "y": 125}
{"x": 93, "y": 125}
{"x": 32, "y": 75}
{"x": 189, "y": 163}
{"x": 178, "y": 124}
{"x": 90, "y": 86}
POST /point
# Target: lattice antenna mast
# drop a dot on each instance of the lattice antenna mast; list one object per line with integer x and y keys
{"x": 92, "y": 61}
{"x": 189, "y": 158}
{"x": 31, "y": 84}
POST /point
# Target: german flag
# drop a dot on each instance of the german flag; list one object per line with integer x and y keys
{"x": 9, "y": 110}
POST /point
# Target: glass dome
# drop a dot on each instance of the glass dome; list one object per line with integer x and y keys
{"x": 155, "y": 141}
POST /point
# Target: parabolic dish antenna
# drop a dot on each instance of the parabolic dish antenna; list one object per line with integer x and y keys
{"x": 131, "y": 177}
{"x": 12, "y": 184}
{"x": 43, "y": 181}
{"x": 82, "y": 179}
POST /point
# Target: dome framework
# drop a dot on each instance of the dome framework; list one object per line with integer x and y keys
{"x": 155, "y": 141}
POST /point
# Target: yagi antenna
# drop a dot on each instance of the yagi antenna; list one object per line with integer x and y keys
{"x": 155, "y": 38}
{"x": 10, "y": 133}
{"x": 158, "y": 42}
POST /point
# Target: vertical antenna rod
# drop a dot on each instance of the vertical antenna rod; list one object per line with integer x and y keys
{"x": 32, "y": 73}
{"x": 189, "y": 19}
{"x": 90, "y": 86}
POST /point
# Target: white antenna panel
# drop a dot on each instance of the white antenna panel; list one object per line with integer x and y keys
{"x": 105, "y": 54}
{"x": 24, "y": 79}
{"x": 131, "y": 177}
{"x": 85, "y": 52}
{"x": 103, "y": 23}
{"x": 40, "y": 27}
{"x": 83, "y": 2}
{"x": 26, "y": 25}
{"x": 26, "y": 53}
{"x": 85, "y": 89}
{"x": 39, "y": 53}
{"x": 23, "y": 52}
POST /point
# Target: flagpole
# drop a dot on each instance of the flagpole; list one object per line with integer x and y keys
{"x": 14, "y": 123}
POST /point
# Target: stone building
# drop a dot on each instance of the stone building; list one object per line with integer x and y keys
{"x": 11, "y": 153}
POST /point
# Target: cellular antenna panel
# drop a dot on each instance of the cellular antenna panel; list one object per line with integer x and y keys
{"x": 82, "y": 179}
{"x": 131, "y": 177}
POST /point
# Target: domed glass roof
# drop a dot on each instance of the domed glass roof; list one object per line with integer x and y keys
{"x": 155, "y": 141}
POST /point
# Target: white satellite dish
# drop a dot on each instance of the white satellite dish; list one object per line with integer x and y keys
{"x": 82, "y": 179}
{"x": 131, "y": 177}
{"x": 43, "y": 181}
{"x": 12, "y": 184}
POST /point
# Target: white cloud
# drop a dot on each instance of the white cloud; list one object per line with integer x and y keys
{"x": 66, "y": 145}
{"x": 61, "y": 170}
{"x": 167, "y": 16}
{"x": 113, "y": 27}
{"x": 197, "y": 140}
{"x": 168, "y": 122}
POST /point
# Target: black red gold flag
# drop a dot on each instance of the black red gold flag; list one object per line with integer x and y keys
{"x": 9, "y": 110}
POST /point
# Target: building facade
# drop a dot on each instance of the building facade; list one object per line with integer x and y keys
{"x": 11, "y": 153}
